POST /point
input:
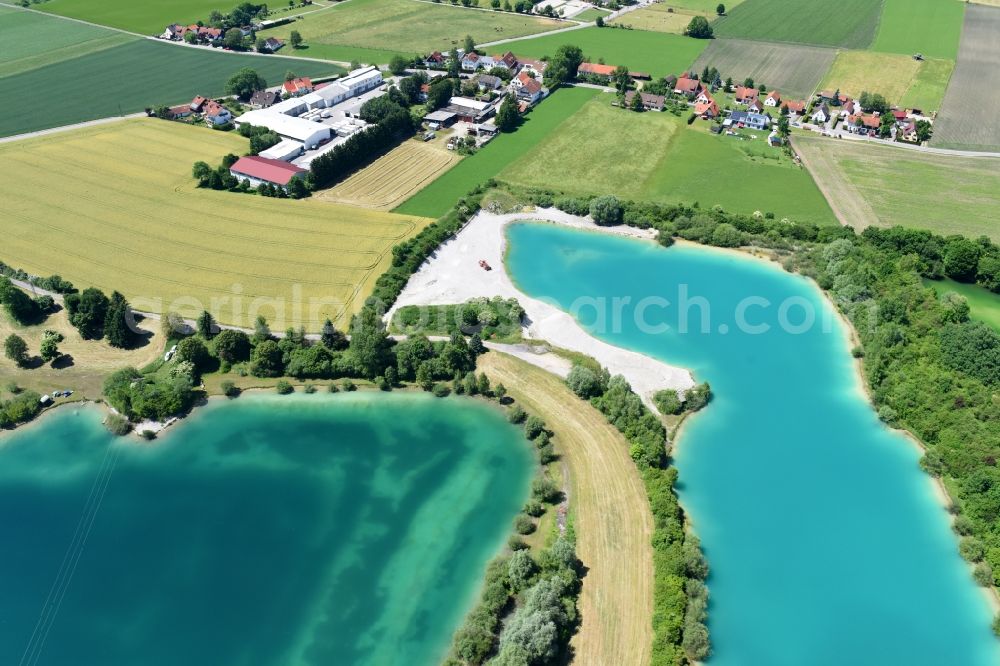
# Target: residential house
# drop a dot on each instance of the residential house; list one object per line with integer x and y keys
{"x": 182, "y": 111}
{"x": 650, "y": 102}
{"x": 794, "y": 106}
{"x": 527, "y": 89}
{"x": 707, "y": 109}
{"x": 755, "y": 106}
{"x": 216, "y": 114}
{"x": 704, "y": 97}
{"x": 745, "y": 95}
{"x": 174, "y": 31}
{"x": 259, "y": 170}
{"x": 209, "y": 34}
{"x": 822, "y": 114}
{"x": 687, "y": 87}
{"x": 472, "y": 61}
{"x": 507, "y": 61}
{"x": 198, "y": 104}
{"x": 261, "y": 99}
{"x": 596, "y": 70}
{"x": 908, "y": 132}
{"x": 300, "y": 86}
{"x": 436, "y": 60}
{"x": 863, "y": 123}
{"x": 773, "y": 99}
{"x": 272, "y": 44}
{"x": 536, "y": 67}
{"x": 489, "y": 83}
{"x": 850, "y": 108}
{"x": 757, "y": 121}
{"x": 834, "y": 97}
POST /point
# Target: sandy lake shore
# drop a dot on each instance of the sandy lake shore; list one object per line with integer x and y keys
{"x": 453, "y": 275}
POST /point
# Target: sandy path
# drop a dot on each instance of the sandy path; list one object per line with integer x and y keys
{"x": 452, "y": 275}
{"x": 611, "y": 513}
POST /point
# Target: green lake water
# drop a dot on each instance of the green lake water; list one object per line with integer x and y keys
{"x": 312, "y": 530}
{"x": 826, "y": 542}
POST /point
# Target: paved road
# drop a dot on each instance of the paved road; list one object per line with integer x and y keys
{"x": 850, "y": 136}
{"x": 66, "y": 128}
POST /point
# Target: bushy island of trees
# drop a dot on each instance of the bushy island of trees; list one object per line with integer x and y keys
{"x": 680, "y": 598}
{"x": 492, "y": 318}
{"x": 929, "y": 368}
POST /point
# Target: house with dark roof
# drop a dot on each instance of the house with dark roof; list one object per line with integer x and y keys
{"x": 435, "y": 60}
{"x": 650, "y": 102}
{"x": 822, "y": 114}
{"x": 259, "y": 170}
{"x": 489, "y": 82}
{"x": 261, "y": 99}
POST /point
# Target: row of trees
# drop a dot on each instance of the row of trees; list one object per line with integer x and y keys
{"x": 20, "y": 307}
{"x": 21, "y": 408}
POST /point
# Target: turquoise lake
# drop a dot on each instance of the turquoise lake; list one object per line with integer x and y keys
{"x": 826, "y": 541}
{"x": 306, "y": 530}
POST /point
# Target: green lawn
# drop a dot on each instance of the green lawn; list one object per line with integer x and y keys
{"x": 658, "y": 157}
{"x": 900, "y": 78}
{"x": 375, "y": 30}
{"x": 654, "y": 52}
{"x": 147, "y": 18}
{"x": 984, "y": 305}
{"x": 435, "y": 199}
{"x": 591, "y": 14}
{"x": 844, "y": 23}
{"x": 701, "y": 5}
{"x": 930, "y": 27}
{"x": 34, "y": 40}
{"x": 126, "y": 79}
{"x": 927, "y": 90}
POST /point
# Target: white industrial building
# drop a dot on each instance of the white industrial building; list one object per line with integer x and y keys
{"x": 307, "y": 132}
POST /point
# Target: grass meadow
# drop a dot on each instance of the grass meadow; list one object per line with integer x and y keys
{"x": 394, "y": 177}
{"x": 591, "y": 14}
{"x": 374, "y": 30}
{"x": 984, "y": 305}
{"x": 930, "y": 27}
{"x": 846, "y": 23}
{"x": 656, "y": 156}
{"x": 707, "y": 6}
{"x": 438, "y": 197}
{"x": 792, "y": 69}
{"x": 968, "y": 119}
{"x": 900, "y": 78}
{"x": 33, "y": 40}
{"x": 115, "y": 206}
{"x": 869, "y": 184}
{"x": 146, "y": 18}
{"x": 657, "y": 53}
{"x": 91, "y": 85}
{"x": 661, "y": 18}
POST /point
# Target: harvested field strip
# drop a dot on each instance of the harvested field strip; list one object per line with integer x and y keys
{"x": 113, "y": 222}
{"x": 847, "y": 23}
{"x": 968, "y": 119}
{"x": 869, "y": 184}
{"x": 794, "y": 70}
{"x": 611, "y": 511}
{"x": 157, "y": 74}
{"x": 394, "y": 177}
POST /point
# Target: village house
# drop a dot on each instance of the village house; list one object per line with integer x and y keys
{"x": 472, "y": 62}
{"x": 822, "y": 114}
{"x": 299, "y": 86}
{"x": 261, "y": 99}
{"x": 757, "y": 121}
{"x": 687, "y": 87}
{"x": 834, "y": 97}
{"x": 527, "y": 89}
{"x": 908, "y": 132}
{"x": 435, "y": 60}
{"x": 507, "y": 61}
{"x": 795, "y": 107}
{"x": 272, "y": 44}
{"x": 259, "y": 170}
{"x": 706, "y": 107}
{"x": 595, "y": 70}
{"x": 650, "y": 102}
{"x": 489, "y": 83}
{"x": 745, "y": 95}
{"x": 216, "y": 114}
{"x": 181, "y": 111}
{"x": 755, "y": 106}
{"x": 704, "y": 97}
{"x": 198, "y": 104}
{"x": 536, "y": 67}
{"x": 863, "y": 123}
{"x": 773, "y": 99}
{"x": 850, "y": 108}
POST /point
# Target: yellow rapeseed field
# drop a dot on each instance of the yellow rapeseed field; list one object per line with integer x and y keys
{"x": 394, "y": 177}
{"x": 115, "y": 207}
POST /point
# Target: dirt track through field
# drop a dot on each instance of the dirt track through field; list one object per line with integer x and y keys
{"x": 611, "y": 515}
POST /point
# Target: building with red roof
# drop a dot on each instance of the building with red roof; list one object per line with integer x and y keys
{"x": 745, "y": 95}
{"x": 259, "y": 170}
{"x": 595, "y": 69}
{"x": 299, "y": 86}
{"x": 687, "y": 86}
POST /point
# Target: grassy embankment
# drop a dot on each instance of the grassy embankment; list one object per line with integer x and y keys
{"x": 885, "y": 186}
{"x": 375, "y": 30}
{"x": 115, "y": 207}
{"x": 657, "y": 157}
{"x": 610, "y": 510}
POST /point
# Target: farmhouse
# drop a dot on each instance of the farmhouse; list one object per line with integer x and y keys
{"x": 749, "y": 119}
{"x": 299, "y": 86}
{"x": 745, "y": 95}
{"x": 687, "y": 87}
{"x": 469, "y": 110}
{"x": 773, "y": 99}
{"x": 596, "y": 70}
{"x": 863, "y": 123}
{"x": 650, "y": 102}
{"x": 260, "y": 170}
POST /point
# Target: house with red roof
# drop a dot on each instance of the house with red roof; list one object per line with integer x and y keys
{"x": 527, "y": 89}
{"x": 687, "y": 86}
{"x": 258, "y": 170}
{"x": 746, "y": 95}
{"x": 216, "y": 114}
{"x": 704, "y": 97}
{"x": 300, "y": 86}
{"x": 593, "y": 69}
{"x": 706, "y": 108}
{"x": 435, "y": 60}
{"x": 795, "y": 106}
{"x": 198, "y": 103}
{"x": 773, "y": 99}
{"x": 755, "y": 106}
{"x": 863, "y": 123}
{"x": 507, "y": 60}
{"x": 536, "y": 67}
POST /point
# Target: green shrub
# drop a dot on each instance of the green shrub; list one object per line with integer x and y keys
{"x": 441, "y": 390}
{"x": 284, "y": 388}
{"x": 117, "y": 425}
{"x": 523, "y": 524}
{"x": 516, "y": 414}
{"x": 229, "y": 389}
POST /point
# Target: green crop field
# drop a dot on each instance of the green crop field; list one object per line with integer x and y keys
{"x": 115, "y": 206}
{"x": 967, "y": 119}
{"x": 127, "y": 78}
{"x": 880, "y": 185}
{"x": 792, "y": 69}
{"x": 591, "y": 14}
{"x": 654, "y": 52}
{"x": 146, "y": 18}
{"x": 899, "y": 78}
{"x": 846, "y": 23}
{"x": 435, "y": 199}
{"x": 701, "y": 5}
{"x": 374, "y": 30}
{"x": 930, "y": 27}
{"x": 984, "y": 305}
{"x": 33, "y": 40}
{"x": 656, "y": 156}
